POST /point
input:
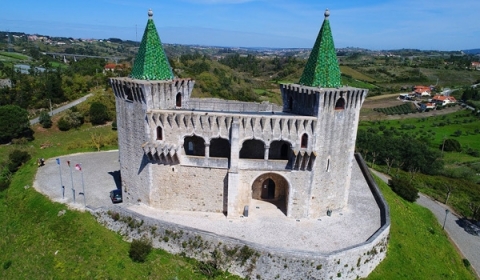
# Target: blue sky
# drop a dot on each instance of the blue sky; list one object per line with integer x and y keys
{"x": 372, "y": 24}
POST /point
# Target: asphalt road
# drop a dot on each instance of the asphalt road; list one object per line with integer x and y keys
{"x": 63, "y": 108}
{"x": 468, "y": 244}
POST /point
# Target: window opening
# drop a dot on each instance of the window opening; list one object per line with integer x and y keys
{"x": 304, "y": 143}
{"x": 340, "y": 105}
{"x": 159, "y": 133}
{"x": 179, "y": 100}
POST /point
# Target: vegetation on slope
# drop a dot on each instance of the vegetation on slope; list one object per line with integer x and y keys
{"x": 418, "y": 247}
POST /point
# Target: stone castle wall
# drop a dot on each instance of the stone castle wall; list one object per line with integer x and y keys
{"x": 248, "y": 259}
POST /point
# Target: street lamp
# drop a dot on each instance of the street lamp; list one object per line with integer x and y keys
{"x": 446, "y": 214}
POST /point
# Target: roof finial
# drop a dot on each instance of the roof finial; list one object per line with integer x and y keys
{"x": 150, "y": 13}
{"x": 327, "y": 13}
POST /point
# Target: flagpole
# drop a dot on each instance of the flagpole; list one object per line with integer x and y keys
{"x": 61, "y": 182}
{"x": 71, "y": 176}
{"x": 83, "y": 185}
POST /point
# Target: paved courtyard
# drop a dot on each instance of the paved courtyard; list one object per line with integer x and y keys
{"x": 265, "y": 225}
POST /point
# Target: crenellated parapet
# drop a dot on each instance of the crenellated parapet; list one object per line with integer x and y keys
{"x": 173, "y": 94}
{"x": 313, "y": 101}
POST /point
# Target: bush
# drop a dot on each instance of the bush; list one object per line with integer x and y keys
{"x": 404, "y": 188}
{"x": 451, "y": 145}
{"x": 45, "y": 120}
{"x": 14, "y": 123}
{"x": 63, "y": 124}
{"x": 466, "y": 263}
{"x": 139, "y": 250}
{"x": 98, "y": 113}
{"x": 16, "y": 159}
{"x": 71, "y": 119}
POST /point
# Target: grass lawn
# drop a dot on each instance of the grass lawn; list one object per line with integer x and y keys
{"x": 418, "y": 247}
{"x": 12, "y": 55}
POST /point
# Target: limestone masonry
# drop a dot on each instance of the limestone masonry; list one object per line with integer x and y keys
{"x": 209, "y": 155}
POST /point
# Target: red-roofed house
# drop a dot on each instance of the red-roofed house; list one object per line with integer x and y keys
{"x": 422, "y": 90}
{"x": 476, "y": 65}
{"x": 110, "y": 67}
{"x": 443, "y": 100}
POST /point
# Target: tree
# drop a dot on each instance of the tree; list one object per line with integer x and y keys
{"x": 404, "y": 188}
{"x": 451, "y": 145}
{"x": 14, "y": 123}
{"x": 98, "y": 113}
{"x": 16, "y": 159}
{"x": 45, "y": 120}
{"x": 71, "y": 119}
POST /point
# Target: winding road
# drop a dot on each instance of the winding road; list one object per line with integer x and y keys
{"x": 467, "y": 244}
{"x": 63, "y": 108}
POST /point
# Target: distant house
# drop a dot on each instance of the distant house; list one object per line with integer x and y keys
{"x": 475, "y": 65}
{"x": 112, "y": 67}
{"x": 429, "y": 106}
{"x": 422, "y": 90}
{"x": 443, "y": 100}
{"x": 5, "y": 83}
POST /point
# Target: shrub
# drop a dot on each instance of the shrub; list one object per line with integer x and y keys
{"x": 139, "y": 250}
{"x": 404, "y": 188}
{"x": 63, "y": 124}
{"x": 466, "y": 263}
{"x": 451, "y": 145}
{"x": 71, "y": 119}
{"x": 98, "y": 113}
{"x": 14, "y": 123}
{"x": 45, "y": 120}
{"x": 16, "y": 159}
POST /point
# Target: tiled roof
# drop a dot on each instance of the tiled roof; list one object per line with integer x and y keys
{"x": 151, "y": 62}
{"x": 322, "y": 68}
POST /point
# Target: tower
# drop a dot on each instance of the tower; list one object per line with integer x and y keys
{"x": 151, "y": 85}
{"x": 319, "y": 93}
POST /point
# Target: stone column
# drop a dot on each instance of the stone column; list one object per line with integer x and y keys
{"x": 207, "y": 150}
{"x": 234, "y": 204}
{"x": 267, "y": 151}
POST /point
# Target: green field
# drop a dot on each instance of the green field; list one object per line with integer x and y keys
{"x": 435, "y": 129}
{"x": 355, "y": 74}
{"x": 13, "y": 56}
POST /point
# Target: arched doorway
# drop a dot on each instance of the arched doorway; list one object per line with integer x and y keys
{"x": 272, "y": 188}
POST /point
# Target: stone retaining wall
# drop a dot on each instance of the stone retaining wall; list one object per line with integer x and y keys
{"x": 253, "y": 260}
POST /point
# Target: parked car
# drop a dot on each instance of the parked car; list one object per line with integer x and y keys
{"x": 116, "y": 196}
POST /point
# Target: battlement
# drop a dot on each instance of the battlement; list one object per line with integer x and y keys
{"x": 311, "y": 101}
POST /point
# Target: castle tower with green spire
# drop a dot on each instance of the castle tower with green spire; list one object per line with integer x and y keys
{"x": 320, "y": 94}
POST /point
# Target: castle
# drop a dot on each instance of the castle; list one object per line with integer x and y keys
{"x": 181, "y": 153}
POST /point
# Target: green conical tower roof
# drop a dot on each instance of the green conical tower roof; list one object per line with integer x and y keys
{"x": 322, "y": 68}
{"x": 151, "y": 62}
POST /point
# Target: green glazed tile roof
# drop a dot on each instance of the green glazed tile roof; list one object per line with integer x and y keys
{"x": 151, "y": 62}
{"x": 322, "y": 68}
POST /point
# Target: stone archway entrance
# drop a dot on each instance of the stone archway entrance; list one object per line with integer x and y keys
{"x": 272, "y": 188}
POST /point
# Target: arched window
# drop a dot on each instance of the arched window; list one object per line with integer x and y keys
{"x": 220, "y": 148}
{"x": 179, "y": 100}
{"x": 290, "y": 103}
{"x": 279, "y": 150}
{"x": 194, "y": 146}
{"x": 159, "y": 133}
{"x": 304, "y": 143}
{"x": 340, "y": 105}
{"x": 254, "y": 149}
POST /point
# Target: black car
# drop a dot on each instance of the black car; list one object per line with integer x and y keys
{"x": 116, "y": 196}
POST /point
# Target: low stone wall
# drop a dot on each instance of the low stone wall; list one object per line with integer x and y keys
{"x": 253, "y": 260}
